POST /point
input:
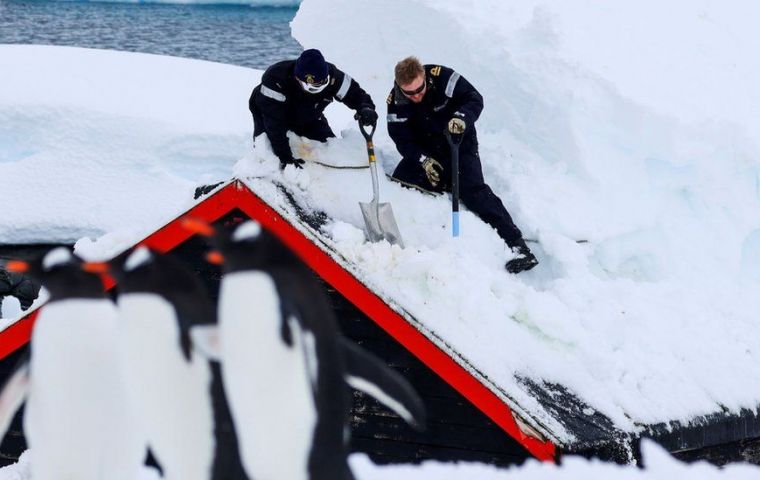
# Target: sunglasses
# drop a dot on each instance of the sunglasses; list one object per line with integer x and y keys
{"x": 415, "y": 91}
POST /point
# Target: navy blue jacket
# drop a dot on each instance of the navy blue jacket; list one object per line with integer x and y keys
{"x": 418, "y": 128}
{"x": 281, "y": 102}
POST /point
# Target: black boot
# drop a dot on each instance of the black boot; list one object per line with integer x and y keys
{"x": 525, "y": 259}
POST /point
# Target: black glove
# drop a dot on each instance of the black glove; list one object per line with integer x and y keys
{"x": 367, "y": 116}
{"x": 296, "y": 162}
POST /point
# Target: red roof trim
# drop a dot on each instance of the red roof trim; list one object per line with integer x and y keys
{"x": 237, "y": 195}
{"x": 16, "y": 335}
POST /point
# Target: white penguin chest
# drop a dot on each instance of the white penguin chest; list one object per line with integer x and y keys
{"x": 270, "y": 382}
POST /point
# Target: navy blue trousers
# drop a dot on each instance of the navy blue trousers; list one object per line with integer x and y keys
{"x": 474, "y": 193}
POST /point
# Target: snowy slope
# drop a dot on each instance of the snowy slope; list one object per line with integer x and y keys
{"x": 654, "y": 319}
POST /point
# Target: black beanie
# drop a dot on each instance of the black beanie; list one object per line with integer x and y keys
{"x": 311, "y": 62}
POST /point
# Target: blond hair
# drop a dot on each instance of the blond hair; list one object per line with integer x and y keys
{"x": 407, "y": 70}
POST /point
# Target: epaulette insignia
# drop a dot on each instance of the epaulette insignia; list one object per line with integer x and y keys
{"x": 389, "y": 100}
{"x": 435, "y": 71}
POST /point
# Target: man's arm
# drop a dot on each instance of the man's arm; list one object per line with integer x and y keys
{"x": 351, "y": 93}
{"x": 271, "y": 105}
{"x": 401, "y": 132}
{"x": 465, "y": 99}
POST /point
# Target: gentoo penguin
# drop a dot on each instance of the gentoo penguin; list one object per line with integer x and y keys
{"x": 285, "y": 366}
{"x": 77, "y": 420}
{"x": 178, "y": 393}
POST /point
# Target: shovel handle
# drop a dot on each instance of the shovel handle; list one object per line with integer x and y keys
{"x": 454, "y": 140}
{"x": 367, "y": 135}
{"x": 370, "y": 146}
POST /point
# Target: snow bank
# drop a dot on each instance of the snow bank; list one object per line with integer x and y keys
{"x": 654, "y": 317}
{"x": 93, "y": 141}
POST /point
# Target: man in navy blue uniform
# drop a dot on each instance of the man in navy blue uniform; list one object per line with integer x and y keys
{"x": 293, "y": 95}
{"x": 425, "y": 102}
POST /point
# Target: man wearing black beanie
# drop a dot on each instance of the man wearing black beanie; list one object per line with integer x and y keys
{"x": 293, "y": 95}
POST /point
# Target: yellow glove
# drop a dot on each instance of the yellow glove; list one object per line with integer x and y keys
{"x": 457, "y": 126}
{"x": 432, "y": 169}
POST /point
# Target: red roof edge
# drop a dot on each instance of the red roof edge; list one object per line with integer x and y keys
{"x": 238, "y": 195}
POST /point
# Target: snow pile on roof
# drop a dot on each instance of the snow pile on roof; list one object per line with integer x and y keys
{"x": 654, "y": 318}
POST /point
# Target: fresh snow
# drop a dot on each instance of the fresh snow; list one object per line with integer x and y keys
{"x": 659, "y": 466}
{"x": 94, "y": 141}
{"x": 642, "y": 141}
{"x": 654, "y": 318}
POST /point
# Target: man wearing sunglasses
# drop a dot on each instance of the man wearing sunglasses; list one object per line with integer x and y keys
{"x": 427, "y": 100}
{"x": 293, "y": 95}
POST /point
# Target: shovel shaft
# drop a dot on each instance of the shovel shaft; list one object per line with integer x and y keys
{"x": 371, "y": 152}
{"x": 375, "y": 186}
{"x": 454, "y": 141}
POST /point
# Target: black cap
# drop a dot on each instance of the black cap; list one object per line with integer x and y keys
{"x": 311, "y": 63}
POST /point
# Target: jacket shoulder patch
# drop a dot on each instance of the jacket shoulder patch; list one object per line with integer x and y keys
{"x": 435, "y": 71}
{"x": 389, "y": 100}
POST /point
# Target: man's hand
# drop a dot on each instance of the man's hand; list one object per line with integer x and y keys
{"x": 296, "y": 162}
{"x": 457, "y": 125}
{"x": 432, "y": 169}
{"x": 367, "y": 116}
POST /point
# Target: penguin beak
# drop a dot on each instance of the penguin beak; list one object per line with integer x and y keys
{"x": 215, "y": 257}
{"x": 99, "y": 268}
{"x": 198, "y": 226}
{"x": 17, "y": 266}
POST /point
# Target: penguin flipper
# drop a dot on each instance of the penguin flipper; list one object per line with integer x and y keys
{"x": 206, "y": 341}
{"x": 369, "y": 374}
{"x": 13, "y": 395}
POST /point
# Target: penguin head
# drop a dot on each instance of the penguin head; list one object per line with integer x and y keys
{"x": 146, "y": 270}
{"x": 244, "y": 246}
{"x": 63, "y": 274}
{"x": 140, "y": 257}
{"x": 127, "y": 267}
{"x": 251, "y": 247}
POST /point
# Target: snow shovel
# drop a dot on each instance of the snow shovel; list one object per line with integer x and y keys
{"x": 378, "y": 217}
{"x": 454, "y": 140}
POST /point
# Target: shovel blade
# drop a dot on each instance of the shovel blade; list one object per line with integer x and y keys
{"x": 380, "y": 224}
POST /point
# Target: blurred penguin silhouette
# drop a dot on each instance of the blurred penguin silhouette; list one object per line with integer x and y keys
{"x": 78, "y": 420}
{"x": 285, "y": 365}
{"x": 177, "y": 391}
